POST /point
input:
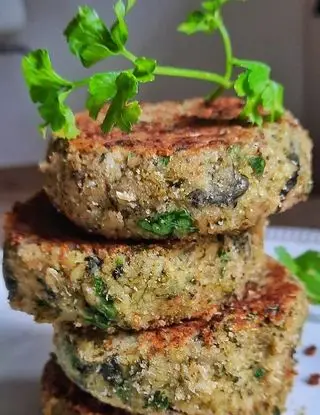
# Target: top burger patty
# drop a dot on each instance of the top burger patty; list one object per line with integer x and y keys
{"x": 187, "y": 168}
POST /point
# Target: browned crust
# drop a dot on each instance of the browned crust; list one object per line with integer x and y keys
{"x": 171, "y": 126}
{"x": 269, "y": 304}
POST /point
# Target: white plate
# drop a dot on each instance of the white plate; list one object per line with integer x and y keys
{"x": 25, "y": 346}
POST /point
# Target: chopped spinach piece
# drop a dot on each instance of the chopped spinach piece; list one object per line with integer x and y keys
{"x": 124, "y": 392}
{"x": 157, "y": 401}
{"x": 163, "y": 161}
{"x": 177, "y": 222}
{"x": 257, "y": 164}
{"x": 102, "y": 316}
{"x": 99, "y": 286}
{"x": 223, "y": 255}
{"x": 259, "y": 372}
{"x": 93, "y": 264}
{"x": 104, "y": 311}
{"x": 114, "y": 373}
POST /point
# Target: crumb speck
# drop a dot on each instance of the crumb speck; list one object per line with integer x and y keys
{"x": 310, "y": 351}
{"x": 314, "y": 379}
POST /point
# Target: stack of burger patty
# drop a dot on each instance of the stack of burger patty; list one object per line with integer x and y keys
{"x": 145, "y": 251}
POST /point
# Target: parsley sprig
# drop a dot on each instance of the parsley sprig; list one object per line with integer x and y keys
{"x": 91, "y": 41}
{"x": 306, "y": 268}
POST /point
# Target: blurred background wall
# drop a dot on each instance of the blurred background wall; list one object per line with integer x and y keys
{"x": 271, "y": 30}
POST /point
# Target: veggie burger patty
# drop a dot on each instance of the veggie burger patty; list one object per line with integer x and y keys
{"x": 186, "y": 168}
{"x": 55, "y": 271}
{"x": 244, "y": 353}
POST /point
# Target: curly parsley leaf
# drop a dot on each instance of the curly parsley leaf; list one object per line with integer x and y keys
{"x": 102, "y": 88}
{"x": 259, "y": 91}
{"x": 306, "y": 268}
{"x": 177, "y": 222}
{"x": 49, "y": 90}
{"x": 206, "y": 20}
{"x": 121, "y": 113}
{"x": 119, "y": 30}
{"x": 88, "y": 37}
{"x": 144, "y": 69}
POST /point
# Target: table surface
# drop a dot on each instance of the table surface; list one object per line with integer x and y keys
{"x": 20, "y": 183}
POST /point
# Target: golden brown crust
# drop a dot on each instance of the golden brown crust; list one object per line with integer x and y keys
{"x": 170, "y": 126}
{"x": 270, "y": 303}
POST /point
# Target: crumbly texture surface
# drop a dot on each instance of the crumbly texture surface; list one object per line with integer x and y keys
{"x": 56, "y": 272}
{"x": 239, "y": 363}
{"x": 186, "y": 169}
{"x": 59, "y": 396}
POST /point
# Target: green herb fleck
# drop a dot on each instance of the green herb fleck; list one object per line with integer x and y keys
{"x": 114, "y": 373}
{"x": 99, "y": 286}
{"x": 102, "y": 316}
{"x": 175, "y": 223}
{"x": 259, "y": 372}
{"x": 163, "y": 161}
{"x": 157, "y": 401}
{"x": 257, "y": 164}
{"x": 306, "y": 268}
{"x": 224, "y": 256}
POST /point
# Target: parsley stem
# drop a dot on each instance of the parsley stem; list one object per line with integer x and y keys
{"x": 81, "y": 82}
{"x": 192, "y": 73}
{"x": 127, "y": 54}
{"x": 229, "y": 59}
{"x": 181, "y": 72}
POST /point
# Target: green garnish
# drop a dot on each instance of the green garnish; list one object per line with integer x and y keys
{"x": 306, "y": 267}
{"x": 101, "y": 317}
{"x": 163, "y": 160}
{"x": 91, "y": 41}
{"x": 257, "y": 164}
{"x": 157, "y": 401}
{"x": 259, "y": 373}
{"x": 177, "y": 222}
{"x": 224, "y": 256}
{"x": 99, "y": 287}
{"x": 104, "y": 311}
